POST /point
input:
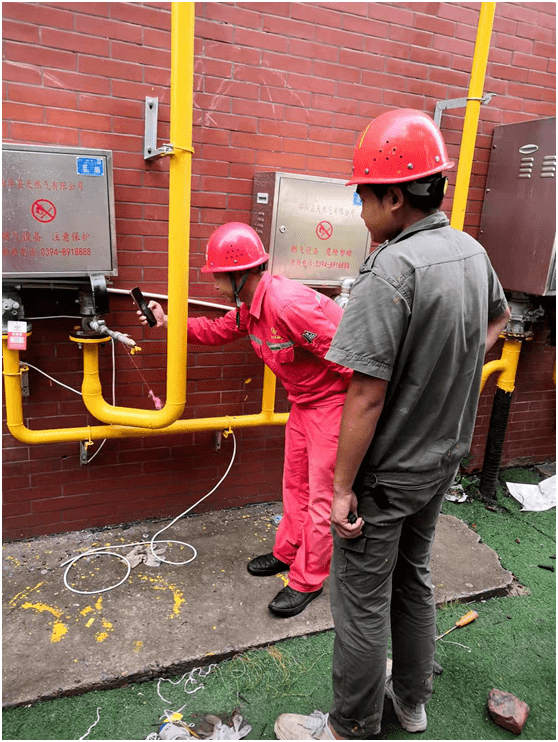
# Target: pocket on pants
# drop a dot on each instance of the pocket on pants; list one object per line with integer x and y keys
{"x": 349, "y": 556}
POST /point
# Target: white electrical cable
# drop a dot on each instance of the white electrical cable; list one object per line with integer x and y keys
{"x": 102, "y": 551}
{"x": 92, "y": 725}
{"x": 25, "y": 363}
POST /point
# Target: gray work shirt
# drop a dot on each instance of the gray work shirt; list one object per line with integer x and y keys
{"x": 417, "y": 317}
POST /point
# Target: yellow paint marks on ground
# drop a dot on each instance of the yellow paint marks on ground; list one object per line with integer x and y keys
{"x": 16, "y": 561}
{"x": 41, "y": 607}
{"x": 159, "y": 583}
{"x": 178, "y": 597}
{"x": 99, "y": 604}
{"x": 86, "y": 610}
{"x": 58, "y": 631}
{"x": 25, "y": 593}
{"x": 106, "y": 624}
{"x": 101, "y": 636}
{"x": 138, "y": 646}
{"x": 284, "y": 578}
{"x": 88, "y": 624}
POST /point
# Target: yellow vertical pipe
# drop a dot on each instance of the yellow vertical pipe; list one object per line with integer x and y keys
{"x": 182, "y": 92}
{"x": 470, "y": 124}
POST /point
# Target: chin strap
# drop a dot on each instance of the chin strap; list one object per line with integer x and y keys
{"x": 237, "y": 288}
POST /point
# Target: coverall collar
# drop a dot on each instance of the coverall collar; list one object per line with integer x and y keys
{"x": 257, "y": 301}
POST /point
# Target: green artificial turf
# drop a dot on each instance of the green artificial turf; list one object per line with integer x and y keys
{"x": 511, "y": 646}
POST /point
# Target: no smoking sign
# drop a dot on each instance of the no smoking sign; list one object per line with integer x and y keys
{"x": 43, "y": 210}
{"x": 324, "y": 230}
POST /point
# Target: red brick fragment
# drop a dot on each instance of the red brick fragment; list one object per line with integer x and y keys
{"x": 507, "y": 710}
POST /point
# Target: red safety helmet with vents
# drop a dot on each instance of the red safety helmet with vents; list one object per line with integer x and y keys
{"x": 399, "y": 146}
{"x": 234, "y": 247}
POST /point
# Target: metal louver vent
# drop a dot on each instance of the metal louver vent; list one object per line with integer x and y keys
{"x": 548, "y": 169}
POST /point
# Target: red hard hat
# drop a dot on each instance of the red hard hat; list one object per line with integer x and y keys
{"x": 233, "y": 247}
{"x": 399, "y": 146}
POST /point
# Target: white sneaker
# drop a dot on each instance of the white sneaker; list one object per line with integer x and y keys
{"x": 411, "y": 718}
{"x": 298, "y": 726}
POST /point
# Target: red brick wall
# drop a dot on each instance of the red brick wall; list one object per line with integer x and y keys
{"x": 278, "y": 86}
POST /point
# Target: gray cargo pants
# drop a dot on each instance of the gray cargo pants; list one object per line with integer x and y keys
{"x": 381, "y": 580}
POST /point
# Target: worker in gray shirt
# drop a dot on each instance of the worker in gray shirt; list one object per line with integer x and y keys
{"x": 425, "y": 308}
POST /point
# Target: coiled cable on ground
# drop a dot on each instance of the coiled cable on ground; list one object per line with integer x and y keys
{"x": 104, "y": 551}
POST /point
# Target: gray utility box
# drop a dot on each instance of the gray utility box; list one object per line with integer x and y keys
{"x": 518, "y": 223}
{"x": 57, "y": 212}
{"x": 310, "y": 226}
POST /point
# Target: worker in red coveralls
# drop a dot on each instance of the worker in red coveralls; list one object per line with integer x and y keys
{"x": 290, "y": 327}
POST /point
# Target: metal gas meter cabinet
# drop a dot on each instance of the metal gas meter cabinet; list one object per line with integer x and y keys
{"x": 58, "y": 223}
{"x": 58, "y": 212}
{"x": 311, "y": 227}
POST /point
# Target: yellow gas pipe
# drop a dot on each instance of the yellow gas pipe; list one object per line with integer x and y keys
{"x": 471, "y": 121}
{"x": 182, "y": 76}
{"x": 129, "y": 422}
{"x": 16, "y": 426}
{"x": 507, "y": 364}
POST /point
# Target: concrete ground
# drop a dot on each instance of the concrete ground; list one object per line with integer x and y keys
{"x": 166, "y": 619}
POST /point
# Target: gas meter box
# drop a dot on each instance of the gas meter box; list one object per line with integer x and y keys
{"x": 57, "y": 212}
{"x": 518, "y": 223}
{"x": 310, "y": 226}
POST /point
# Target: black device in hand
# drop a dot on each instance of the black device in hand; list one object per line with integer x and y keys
{"x": 139, "y": 298}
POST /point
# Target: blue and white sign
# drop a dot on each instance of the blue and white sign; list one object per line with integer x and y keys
{"x": 90, "y": 166}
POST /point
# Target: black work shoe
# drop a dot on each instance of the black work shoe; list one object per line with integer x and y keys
{"x": 289, "y": 602}
{"x": 265, "y": 565}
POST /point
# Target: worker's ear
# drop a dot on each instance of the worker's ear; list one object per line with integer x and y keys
{"x": 395, "y": 197}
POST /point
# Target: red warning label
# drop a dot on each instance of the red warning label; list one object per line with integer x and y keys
{"x": 324, "y": 230}
{"x": 43, "y": 210}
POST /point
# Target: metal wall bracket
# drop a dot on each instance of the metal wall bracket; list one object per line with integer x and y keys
{"x": 24, "y": 381}
{"x": 83, "y": 457}
{"x": 150, "y": 149}
{"x": 443, "y": 105}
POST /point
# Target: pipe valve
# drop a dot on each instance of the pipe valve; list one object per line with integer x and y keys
{"x": 99, "y": 325}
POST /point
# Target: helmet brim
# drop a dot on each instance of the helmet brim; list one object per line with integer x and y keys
{"x": 228, "y": 269}
{"x": 393, "y": 181}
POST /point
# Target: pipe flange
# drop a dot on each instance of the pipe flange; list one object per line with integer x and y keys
{"x": 526, "y": 335}
{"x": 92, "y": 337}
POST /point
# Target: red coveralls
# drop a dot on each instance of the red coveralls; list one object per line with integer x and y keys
{"x": 291, "y": 327}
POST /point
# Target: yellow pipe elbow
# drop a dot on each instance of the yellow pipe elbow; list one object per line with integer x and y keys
{"x": 505, "y": 366}
{"x": 93, "y": 399}
{"x": 488, "y": 369}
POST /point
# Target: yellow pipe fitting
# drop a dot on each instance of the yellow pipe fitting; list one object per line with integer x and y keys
{"x": 505, "y": 366}
{"x": 470, "y": 124}
{"x": 510, "y": 357}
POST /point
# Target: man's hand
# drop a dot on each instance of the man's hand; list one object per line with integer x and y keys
{"x": 342, "y": 505}
{"x": 158, "y": 313}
